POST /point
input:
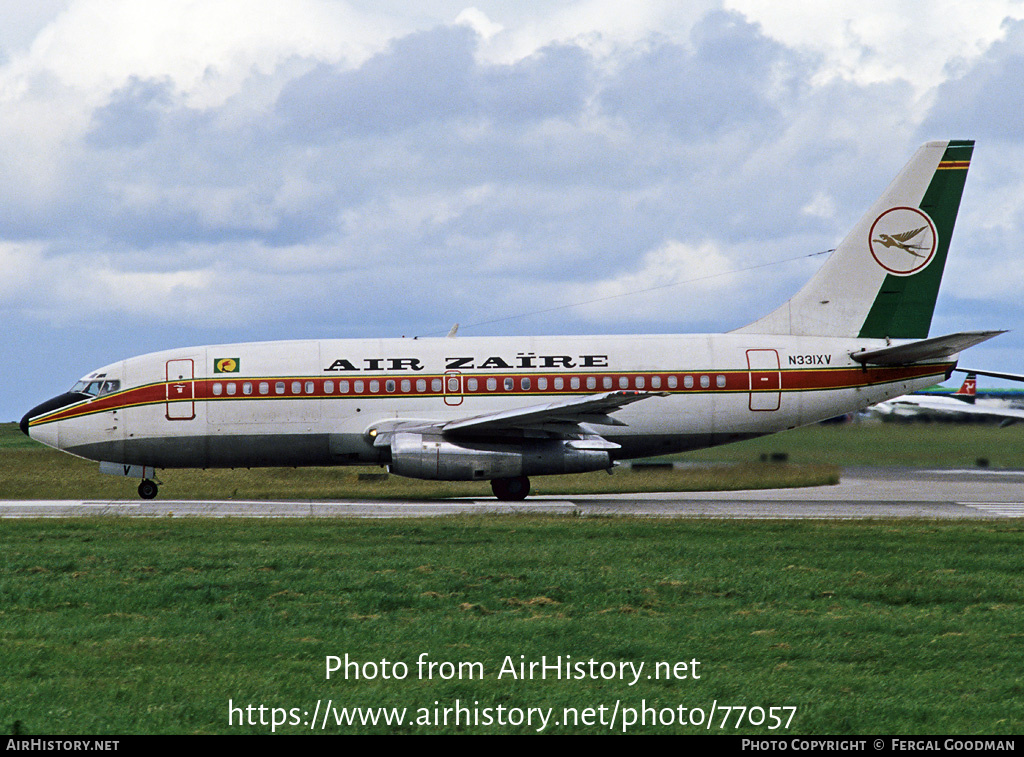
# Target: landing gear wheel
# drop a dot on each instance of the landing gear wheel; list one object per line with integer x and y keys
{"x": 147, "y": 489}
{"x": 511, "y": 489}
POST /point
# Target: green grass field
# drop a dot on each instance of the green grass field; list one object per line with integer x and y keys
{"x": 872, "y": 443}
{"x": 121, "y": 626}
{"x": 153, "y": 626}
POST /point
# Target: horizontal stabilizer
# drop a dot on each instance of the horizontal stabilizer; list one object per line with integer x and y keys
{"x": 993, "y": 374}
{"x": 935, "y": 348}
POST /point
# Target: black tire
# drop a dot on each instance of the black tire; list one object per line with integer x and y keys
{"x": 511, "y": 489}
{"x": 147, "y": 489}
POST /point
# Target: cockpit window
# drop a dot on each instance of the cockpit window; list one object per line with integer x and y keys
{"x": 96, "y": 388}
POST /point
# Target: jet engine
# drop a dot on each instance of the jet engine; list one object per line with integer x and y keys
{"x": 434, "y": 457}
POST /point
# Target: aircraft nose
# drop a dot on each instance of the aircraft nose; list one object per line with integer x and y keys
{"x": 55, "y": 403}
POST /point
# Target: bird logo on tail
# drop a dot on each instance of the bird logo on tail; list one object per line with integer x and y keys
{"x": 903, "y": 240}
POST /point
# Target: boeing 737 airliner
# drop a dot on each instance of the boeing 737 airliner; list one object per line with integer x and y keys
{"x": 503, "y": 409}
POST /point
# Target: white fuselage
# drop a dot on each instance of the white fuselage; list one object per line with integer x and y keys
{"x": 313, "y": 402}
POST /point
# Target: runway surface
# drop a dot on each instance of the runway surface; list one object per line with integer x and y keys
{"x": 861, "y": 493}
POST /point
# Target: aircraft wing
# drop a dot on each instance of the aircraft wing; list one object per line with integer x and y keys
{"x": 924, "y": 349}
{"x": 594, "y": 408}
{"x": 562, "y": 418}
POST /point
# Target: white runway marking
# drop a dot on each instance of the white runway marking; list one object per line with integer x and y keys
{"x": 1002, "y": 509}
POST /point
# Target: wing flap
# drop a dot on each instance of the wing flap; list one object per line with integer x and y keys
{"x": 591, "y": 409}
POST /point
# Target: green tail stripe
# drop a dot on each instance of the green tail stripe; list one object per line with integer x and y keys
{"x": 904, "y": 305}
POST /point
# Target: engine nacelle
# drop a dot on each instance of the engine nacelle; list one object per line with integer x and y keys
{"x": 436, "y": 458}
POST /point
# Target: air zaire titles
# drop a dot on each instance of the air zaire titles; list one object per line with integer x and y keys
{"x": 494, "y": 362}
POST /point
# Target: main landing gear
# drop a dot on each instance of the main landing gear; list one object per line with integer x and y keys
{"x": 147, "y": 489}
{"x": 511, "y": 489}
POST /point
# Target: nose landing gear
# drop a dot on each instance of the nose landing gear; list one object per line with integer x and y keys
{"x": 147, "y": 489}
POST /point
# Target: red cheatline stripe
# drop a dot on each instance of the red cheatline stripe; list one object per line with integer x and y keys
{"x": 736, "y": 381}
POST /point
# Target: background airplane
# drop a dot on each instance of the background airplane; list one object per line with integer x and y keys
{"x": 963, "y": 404}
{"x": 504, "y": 409}
{"x": 920, "y": 404}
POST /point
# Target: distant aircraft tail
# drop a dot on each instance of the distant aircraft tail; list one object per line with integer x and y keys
{"x": 968, "y": 391}
{"x": 883, "y": 279}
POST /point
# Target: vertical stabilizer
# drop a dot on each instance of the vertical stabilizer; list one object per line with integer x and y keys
{"x": 969, "y": 390}
{"x": 883, "y": 279}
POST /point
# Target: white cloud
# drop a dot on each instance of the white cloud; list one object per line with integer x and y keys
{"x": 23, "y": 21}
{"x": 19, "y": 262}
{"x": 477, "y": 20}
{"x": 822, "y": 205}
{"x": 356, "y": 168}
{"x": 870, "y": 41}
{"x": 601, "y": 26}
{"x": 652, "y": 292}
{"x": 206, "y": 47}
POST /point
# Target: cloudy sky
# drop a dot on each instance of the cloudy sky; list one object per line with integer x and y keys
{"x": 183, "y": 172}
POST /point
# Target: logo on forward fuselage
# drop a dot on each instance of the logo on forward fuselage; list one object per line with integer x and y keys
{"x": 903, "y": 241}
